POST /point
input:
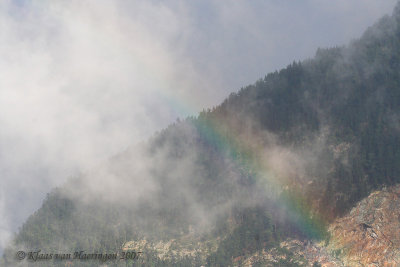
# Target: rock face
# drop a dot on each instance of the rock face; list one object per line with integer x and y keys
{"x": 178, "y": 249}
{"x": 370, "y": 234}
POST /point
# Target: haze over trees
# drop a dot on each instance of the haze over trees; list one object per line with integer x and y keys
{"x": 280, "y": 158}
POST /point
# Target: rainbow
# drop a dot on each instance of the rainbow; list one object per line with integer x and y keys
{"x": 245, "y": 152}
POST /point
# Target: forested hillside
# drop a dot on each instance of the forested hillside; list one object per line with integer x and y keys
{"x": 281, "y": 158}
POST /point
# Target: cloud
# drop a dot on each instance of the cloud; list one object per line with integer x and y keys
{"x": 79, "y": 83}
{"x": 82, "y": 80}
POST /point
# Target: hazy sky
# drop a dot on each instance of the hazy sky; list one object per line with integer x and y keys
{"x": 82, "y": 80}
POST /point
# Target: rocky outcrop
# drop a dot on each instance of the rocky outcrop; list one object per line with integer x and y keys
{"x": 370, "y": 234}
{"x": 178, "y": 249}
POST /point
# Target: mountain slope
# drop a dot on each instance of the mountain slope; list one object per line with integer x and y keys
{"x": 282, "y": 158}
{"x": 369, "y": 234}
{"x": 366, "y": 236}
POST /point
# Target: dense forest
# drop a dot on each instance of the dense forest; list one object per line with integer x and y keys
{"x": 280, "y": 158}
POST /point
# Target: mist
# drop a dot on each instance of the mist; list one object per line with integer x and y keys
{"x": 83, "y": 80}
